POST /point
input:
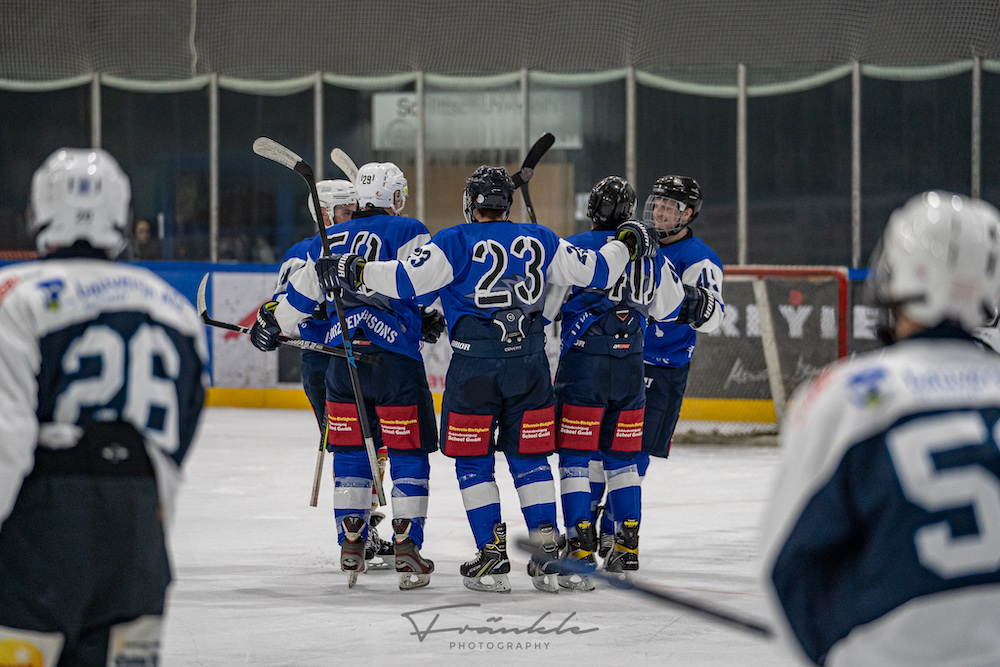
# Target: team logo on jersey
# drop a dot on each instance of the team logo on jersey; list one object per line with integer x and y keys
{"x": 52, "y": 289}
{"x": 865, "y": 389}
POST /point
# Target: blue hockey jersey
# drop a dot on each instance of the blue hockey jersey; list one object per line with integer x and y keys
{"x": 316, "y": 327}
{"x": 671, "y": 344}
{"x": 648, "y": 286}
{"x": 480, "y": 268}
{"x": 392, "y": 324}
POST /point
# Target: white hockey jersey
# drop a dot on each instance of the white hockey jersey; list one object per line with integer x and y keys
{"x": 84, "y": 340}
{"x": 882, "y": 541}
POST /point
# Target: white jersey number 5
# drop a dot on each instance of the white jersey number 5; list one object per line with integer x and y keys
{"x": 912, "y": 447}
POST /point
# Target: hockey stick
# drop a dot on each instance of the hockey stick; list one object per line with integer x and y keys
{"x": 527, "y": 170}
{"x": 751, "y": 625}
{"x": 346, "y": 164}
{"x": 283, "y": 340}
{"x": 272, "y": 150}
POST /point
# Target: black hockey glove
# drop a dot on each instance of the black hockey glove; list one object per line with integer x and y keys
{"x": 265, "y": 331}
{"x": 340, "y": 271}
{"x": 640, "y": 238}
{"x": 697, "y": 307}
{"x": 432, "y": 324}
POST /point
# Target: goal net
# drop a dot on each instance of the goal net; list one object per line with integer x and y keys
{"x": 782, "y": 325}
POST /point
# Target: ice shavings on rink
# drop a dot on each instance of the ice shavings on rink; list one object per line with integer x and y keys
{"x": 257, "y": 578}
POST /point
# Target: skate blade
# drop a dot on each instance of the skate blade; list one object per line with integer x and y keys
{"x": 352, "y": 578}
{"x": 378, "y": 563}
{"x": 546, "y": 583}
{"x": 624, "y": 576}
{"x": 576, "y": 582}
{"x": 499, "y": 583}
{"x": 411, "y": 580}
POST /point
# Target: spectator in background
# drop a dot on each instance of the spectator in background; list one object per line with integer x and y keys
{"x": 145, "y": 245}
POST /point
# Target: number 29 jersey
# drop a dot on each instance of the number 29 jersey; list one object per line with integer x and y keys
{"x": 87, "y": 340}
{"x": 484, "y": 267}
{"x": 882, "y": 540}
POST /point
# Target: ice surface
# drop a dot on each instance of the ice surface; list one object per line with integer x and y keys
{"x": 257, "y": 580}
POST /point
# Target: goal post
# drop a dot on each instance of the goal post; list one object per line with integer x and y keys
{"x": 782, "y": 324}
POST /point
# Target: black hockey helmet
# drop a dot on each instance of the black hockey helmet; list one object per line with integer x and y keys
{"x": 680, "y": 188}
{"x": 488, "y": 188}
{"x": 612, "y": 202}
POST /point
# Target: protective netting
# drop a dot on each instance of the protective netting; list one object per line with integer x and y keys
{"x": 279, "y": 39}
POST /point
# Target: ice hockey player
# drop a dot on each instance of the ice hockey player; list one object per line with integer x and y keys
{"x": 101, "y": 389}
{"x": 882, "y": 539}
{"x": 492, "y": 277}
{"x": 599, "y": 387}
{"x": 672, "y": 207}
{"x": 337, "y": 201}
{"x": 400, "y": 405}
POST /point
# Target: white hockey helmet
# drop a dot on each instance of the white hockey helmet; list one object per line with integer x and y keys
{"x": 79, "y": 194}
{"x": 939, "y": 259}
{"x": 377, "y": 184}
{"x": 332, "y": 193}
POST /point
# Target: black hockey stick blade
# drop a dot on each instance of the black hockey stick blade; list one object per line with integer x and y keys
{"x": 283, "y": 340}
{"x": 751, "y": 625}
{"x": 532, "y": 159}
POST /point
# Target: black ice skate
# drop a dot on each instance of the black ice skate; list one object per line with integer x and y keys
{"x": 490, "y": 563}
{"x": 352, "y": 549}
{"x": 377, "y": 551}
{"x": 580, "y": 557}
{"x": 624, "y": 557}
{"x": 544, "y": 564}
{"x": 606, "y": 540}
{"x": 414, "y": 570}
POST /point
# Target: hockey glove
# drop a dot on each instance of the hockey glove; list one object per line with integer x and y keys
{"x": 432, "y": 324}
{"x": 265, "y": 331}
{"x": 640, "y": 238}
{"x": 697, "y": 307}
{"x": 340, "y": 271}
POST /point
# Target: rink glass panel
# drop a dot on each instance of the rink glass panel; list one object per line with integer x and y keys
{"x": 990, "y": 161}
{"x": 260, "y": 201}
{"x": 915, "y": 136}
{"x": 799, "y": 176}
{"x": 691, "y": 136}
{"x": 161, "y": 141}
{"x": 32, "y": 126}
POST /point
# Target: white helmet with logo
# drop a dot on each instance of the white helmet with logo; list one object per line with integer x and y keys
{"x": 378, "y": 183}
{"x": 939, "y": 259}
{"x": 332, "y": 193}
{"x": 79, "y": 195}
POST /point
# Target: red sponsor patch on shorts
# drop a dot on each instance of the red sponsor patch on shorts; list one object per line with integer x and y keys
{"x": 400, "y": 426}
{"x": 468, "y": 435}
{"x": 628, "y": 431}
{"x": 342, "y": 425}
{"x": 538, "y": 431}
{"x": 579, "y": 427}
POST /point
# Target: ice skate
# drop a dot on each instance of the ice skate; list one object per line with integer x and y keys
{"x": 414, "y": 570}
{"x": 377, "y": 551}
{"x": 623, "y": 560}
{"x": 352, "y": 549}
{"x": 606, "y": 540}
{"x": 488, "y": 570}
{"x": 544, "y": 564}
{"x": 580, "y": 559}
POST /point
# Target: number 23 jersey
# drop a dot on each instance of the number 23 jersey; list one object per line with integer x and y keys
{"x": 882, "y": 540}
{"x": 489, "y": 266}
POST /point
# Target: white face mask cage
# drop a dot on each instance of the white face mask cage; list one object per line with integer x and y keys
{"x": 666, "y": 214}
